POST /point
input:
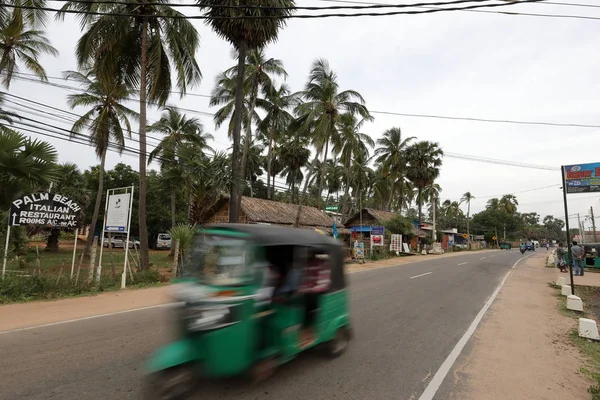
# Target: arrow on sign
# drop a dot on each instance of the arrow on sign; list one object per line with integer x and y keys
{"x": 14, "y": 218}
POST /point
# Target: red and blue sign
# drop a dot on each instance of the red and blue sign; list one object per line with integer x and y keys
{"x": 582, "y": 178}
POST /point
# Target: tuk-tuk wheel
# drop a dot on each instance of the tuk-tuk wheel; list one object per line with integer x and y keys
{"x": 176, "y": 383}
{"x": 338, "y": 345}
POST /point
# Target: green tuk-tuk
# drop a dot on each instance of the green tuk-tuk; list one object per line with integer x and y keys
{"x": 505, "y": 246}
{"x": 231, "y": 321}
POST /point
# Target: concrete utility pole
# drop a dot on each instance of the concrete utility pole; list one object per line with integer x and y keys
{"x": 505, "y": 232}
{"x": 593, "y": 224}
{"x": 434, "y": 231}
{"x": 581, "y": 231}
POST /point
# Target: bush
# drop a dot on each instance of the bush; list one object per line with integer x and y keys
{"x": 15, "y": 288}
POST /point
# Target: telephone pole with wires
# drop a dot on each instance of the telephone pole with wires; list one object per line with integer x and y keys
{"x": 593, "y": 223}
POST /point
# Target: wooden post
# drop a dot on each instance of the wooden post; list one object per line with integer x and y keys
{"x": 79, "y": 267}
{"x": 176, "y": 259}
{"x": 62, "y": 267}
{"x": 37, "y": 260}
{"x": 93, "y": 259}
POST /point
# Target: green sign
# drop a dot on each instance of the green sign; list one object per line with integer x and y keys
{"x": 332, "y": 208}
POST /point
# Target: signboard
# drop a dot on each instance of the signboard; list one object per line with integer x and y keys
{"x": 117, "y": 213}
{"x": 465, "y": 236}
{"x": 45, "y": 209}
{"x": 376, "y": 230}
{"x": 376, "y": 240}
{"x": 396, "y": 242}
{"x": 478, "y": 237}
{"x": 332, "y": 208}
{"x": 582, "y": 178}
{"x": 359, "y": 250}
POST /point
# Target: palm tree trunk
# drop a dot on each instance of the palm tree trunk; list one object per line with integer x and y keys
{"x": 269, "y": 164}
{"x": 468, "y": 230}
{"x": 173, "y": 207}
{"x": 236, "y": 172}
{"x": 90, "y": 236}
{"x": 322, "y": 177}
{"x": 300, "y": 202}
{"x": 248, "y": 136}
{"x": 143, "y": 232}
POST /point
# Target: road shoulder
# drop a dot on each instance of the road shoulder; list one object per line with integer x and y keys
{"x": 23, "y": 315}
{"x": 522, "y": 347}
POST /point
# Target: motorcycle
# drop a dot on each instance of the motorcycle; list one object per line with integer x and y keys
{"x": 523, "y": 250}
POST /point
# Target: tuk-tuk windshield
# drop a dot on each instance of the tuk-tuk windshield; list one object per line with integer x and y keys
{"x": 219, "y": 260}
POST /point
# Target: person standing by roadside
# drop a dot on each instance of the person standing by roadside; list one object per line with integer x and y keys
{"x": 577, "y": 254}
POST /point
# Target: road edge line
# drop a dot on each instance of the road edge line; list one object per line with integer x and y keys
{"x": 88, "y": 317}
{"x": 437, "y": 380}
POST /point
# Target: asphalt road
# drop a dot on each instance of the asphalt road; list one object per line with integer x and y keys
{"x": 405, "y": 326}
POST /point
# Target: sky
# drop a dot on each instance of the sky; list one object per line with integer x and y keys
{"x": 461, "y": 64}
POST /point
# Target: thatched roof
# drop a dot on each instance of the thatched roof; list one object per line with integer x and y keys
{"x": 381, "y": 216}
{"x": 274, "y": 212}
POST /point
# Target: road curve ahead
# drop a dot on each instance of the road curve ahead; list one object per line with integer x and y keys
{"x": 407, "y": 320}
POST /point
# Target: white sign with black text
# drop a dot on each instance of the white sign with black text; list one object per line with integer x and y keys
{"x": 117, "y": 213}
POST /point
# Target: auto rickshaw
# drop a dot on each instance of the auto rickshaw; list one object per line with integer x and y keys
{"x": 505, "y": 246}
{"x": 228, "y": 320}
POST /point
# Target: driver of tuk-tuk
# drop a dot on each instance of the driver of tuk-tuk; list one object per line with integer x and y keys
{"x": 317, "y": 282}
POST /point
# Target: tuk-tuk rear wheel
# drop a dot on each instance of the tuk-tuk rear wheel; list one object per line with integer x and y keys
{"x": 338, "y": 345}
{"x": 176, "y": 383}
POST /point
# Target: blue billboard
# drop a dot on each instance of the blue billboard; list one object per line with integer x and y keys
{"x": 582, "y": 178}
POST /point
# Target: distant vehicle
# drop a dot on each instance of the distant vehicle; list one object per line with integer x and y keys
{"x": 119, "y": 241}
{"x": 163, "y": 241}
{"x": 536, "y": 243}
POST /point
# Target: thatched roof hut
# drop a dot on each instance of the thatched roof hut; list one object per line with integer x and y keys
{"x": 260, "y": 211}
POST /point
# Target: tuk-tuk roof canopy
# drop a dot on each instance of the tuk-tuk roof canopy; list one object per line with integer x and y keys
{"x": 275, "y": 235}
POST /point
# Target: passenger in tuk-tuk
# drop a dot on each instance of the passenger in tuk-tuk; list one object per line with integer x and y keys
{"x": 318, "y": 272}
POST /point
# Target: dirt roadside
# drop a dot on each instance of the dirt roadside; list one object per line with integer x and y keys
{"x": 521, "y": 349}
{"x": 16, "y": 316}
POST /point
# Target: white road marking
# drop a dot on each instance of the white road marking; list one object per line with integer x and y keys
{"x": 90, "y": 317}
{"x": 463, "y": 263}
{"x": 440, "y": 375}
{"x": 417, "y": 276}
{"x": 482, "y": 258}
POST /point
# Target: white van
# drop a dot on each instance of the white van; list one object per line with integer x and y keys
{"x": 536, "y": 243}
{"x": 163, "y": 241}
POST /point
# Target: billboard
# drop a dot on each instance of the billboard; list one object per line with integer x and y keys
{"x": 582, "y": 178}
{"x": 117, "y": 215}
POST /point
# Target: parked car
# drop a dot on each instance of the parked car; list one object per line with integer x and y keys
{"x": 119, "y": 241}
{"x": 163, "y": 241}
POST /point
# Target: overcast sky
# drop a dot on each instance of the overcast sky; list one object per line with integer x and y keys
{"x": 463, "y": 64}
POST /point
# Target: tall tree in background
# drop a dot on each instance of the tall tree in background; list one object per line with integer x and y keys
{"x": 138, "y": 42}
{"x": 424, "y": 161}
{"x": 106, "y": 121}
{"x": 391, "y": 155}
{"x": 244, "y": 34}
{"x": 323, "y": 105}
{"x": 258, "y": 70}
{"x": 277, "y": 103}
{"x": 22, "y": 44}
{"x": 466, "y": 198}
{"x": 179, "y": 131}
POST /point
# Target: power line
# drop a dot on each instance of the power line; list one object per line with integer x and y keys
{"x": 178, "y": 15}
{"x": 500, "y": 162}
{"x": 504, "y": 12}
{"x": 400, "y": 114}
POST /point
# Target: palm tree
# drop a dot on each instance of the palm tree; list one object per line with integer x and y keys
{"x": 244, "y": 34}
{"x": 391, "y": 155}
{"x": 179, "y": 131}
{"x": 424, "y": 160}
{"x": 277, "y": 104}
{"x": 223, "y": 94}
{"x": 138, "y": 43}
{"x": 25, "y": 165}
{"x": 466, "y": 198}
{"x": 210, "y": 180}
{"x": 23, "y": 45}
{"x": 509, "y": 203}
{"x": 294, "y": 155}
{"x": 258, "y": 72}
{"x": 324, "y": 104}
{"x": 107, "y": 121}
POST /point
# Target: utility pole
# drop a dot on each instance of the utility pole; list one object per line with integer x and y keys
{"x": 579, "y": 227}
{"x": 505, "y": 232}
{"x": 593, "y": 224}
{"x": 496, "y": 234}
{"x": 434, "y": 232}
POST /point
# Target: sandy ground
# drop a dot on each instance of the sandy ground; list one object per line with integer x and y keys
{"x": 16, "y": 316}
{"x": 521, "y": 350}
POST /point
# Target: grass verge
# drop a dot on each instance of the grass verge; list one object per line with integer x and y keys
{"x": 591, "y": 349}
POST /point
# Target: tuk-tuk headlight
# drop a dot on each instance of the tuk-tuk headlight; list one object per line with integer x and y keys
{"x": 209, "y": 317}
